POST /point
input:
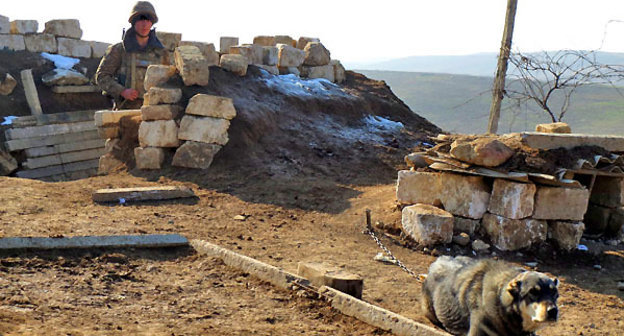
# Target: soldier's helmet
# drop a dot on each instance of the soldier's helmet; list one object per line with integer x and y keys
{"x": 143, "y": 8}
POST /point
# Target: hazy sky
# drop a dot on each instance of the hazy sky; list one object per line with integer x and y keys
{"x": 358, "y": 31}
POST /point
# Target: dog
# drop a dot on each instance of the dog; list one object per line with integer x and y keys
{"x": 486, "y": 297}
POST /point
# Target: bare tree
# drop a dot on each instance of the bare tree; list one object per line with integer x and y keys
{"x": 550, "y": 79}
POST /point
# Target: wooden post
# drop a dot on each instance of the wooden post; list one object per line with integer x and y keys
{"x": 501, "y": 69}
{"x": 31, "y": 92}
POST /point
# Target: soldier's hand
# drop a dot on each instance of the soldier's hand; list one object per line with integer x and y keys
{"x": 130, "y": 94}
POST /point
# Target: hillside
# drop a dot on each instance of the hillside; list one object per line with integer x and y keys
{"x": 461, "y": 103}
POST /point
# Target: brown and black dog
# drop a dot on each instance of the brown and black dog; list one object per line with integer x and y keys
{"x": 488, "y": 298}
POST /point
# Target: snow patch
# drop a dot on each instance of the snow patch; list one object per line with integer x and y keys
{"x": 60, "y": 61}
{"x": 374, "y": 129}
{"x": 293, "y": 85}
{"x": 8, "y": 120}
{"x": 376, "y": 123}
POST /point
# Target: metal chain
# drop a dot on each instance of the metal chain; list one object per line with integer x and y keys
{"x": 369, "y": 231}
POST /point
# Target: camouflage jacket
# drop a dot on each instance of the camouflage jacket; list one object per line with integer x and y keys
{"x": 114, "y": 73}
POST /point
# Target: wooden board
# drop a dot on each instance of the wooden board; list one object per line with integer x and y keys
{"x": 54, "y": 118}
{"x": 64, "y": 158}
{"x": 76, "y": 89}
{"x": 60, "y": 169}
{"x": 48, "y": 130}
{"x": 142, "y": 194}
{"x": 137, "y": 241}
{"x": 14, "y": 145}
{"x": 64, "y": 148}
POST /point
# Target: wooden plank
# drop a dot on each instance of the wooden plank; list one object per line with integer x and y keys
{"x": 64, "y": 148}
{"x": 124, "y": 241}
{"x": 70, "y": 176}
{"x": 53, "y": 118}
{"x": 31, "y": 92}
{"x": 108, "y": 117}
{"x": 63, "y": 158}
{"x": 60, "y": 169}
{"x": 14, "y": 145}
{"x": 155, "y": 193}
{"x": 76, "y": 89}
{"x": 47, "y": 130}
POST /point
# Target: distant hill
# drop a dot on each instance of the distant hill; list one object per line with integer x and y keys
{"x": 460, "y": 103}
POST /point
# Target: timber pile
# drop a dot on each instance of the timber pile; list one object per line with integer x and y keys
{"x": 55, "y": 147}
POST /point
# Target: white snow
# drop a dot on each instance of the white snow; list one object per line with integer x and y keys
{"x": 376, "y": 124}
{"x": 294, "y": 85}
{"x": 60, "y": 61}
{"x": 8, "y": 120}
{"x": 373, "y": 130}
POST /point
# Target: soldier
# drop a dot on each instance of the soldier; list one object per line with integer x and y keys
{"x": 122, "y": 70}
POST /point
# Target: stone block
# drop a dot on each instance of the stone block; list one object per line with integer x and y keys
{"x": 558, "y": 127}
{"x": 225, "y": 42}
{"x": 289, "y": 57}
{"x": 560, "y": 203}
{"x": 108, "y": 132}
{"x": 339, "y": 71}
{"x": 535, "y": 140}
{"x": 427, "y": 224}
{"x": 98, "y": 49}
{"x": 566, "y": 235}
{"x": 207, "y": 49}
{"x": 12, "y": 42}
{"x": 64, "y": 28}
{"x": 63, "y": 77}
{"x": 149, "y": 157}
{"x": 204, "y": 129}
{"x": 285, "y": 39}
{"x": 234, "y": 63}
{"x": 160, "y": 112}
{"x": 110, "y": 117}
{"x": 211, "y": 106}
{"x": 159, "y": 133}
{"x": 244, "y": 51}
{"x": 48, "y": 140}
{"x": 272, "y": 69}
{"x": 596, "y": 218}
{"x": 269, "y": 56}
{"x": 257, "y": 53}
{"x": 192, "y": 66}
{"x": 73, "y": 48}
{"x": 63, "y": 158}
{"x": 486, "y": 152}
{"x": 24, "y": 27}
{"x": 76, "y": 89}
{"x": 303, "y": 41}
{"x": 169, "y": 40}
{"x": 193, "y": 154}
{"x": 514, "y": 234}
{"x": 48, "y": 130}
{"x": 465, "y": 225}
{"x": 5, "y": 25}
{"x": 316, "y": 54}
{"x": 324, "y": 71}
{"x": 8, "y": 164}
{"x": 608, "y": 191}
{"x": 40, "y": 43}
{"x": 268, "y": 41}
{"x": 159, "y": 95}
{"x": 157, "y": 74}
{"x": 511, "y": 199}
{"x": 332, "y": 276}
{"x": 289, "y": 71}
{"x": 7, "y": 85}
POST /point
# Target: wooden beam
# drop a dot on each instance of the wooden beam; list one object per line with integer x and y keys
{"x": 31, "y": 92}
{"x": 137, "y": 241}
{"x": 155, "y": 193}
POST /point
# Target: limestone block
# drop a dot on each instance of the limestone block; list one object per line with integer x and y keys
{"x": 427, "y": 224}
{"x": 40, "y": 43}
{"x": 73, "y": 48}
{"x": 98, "y": 49}
{"x": 7, "y": 85}
{"x": 325, "y": 71}
{"x": 159, "y": 133}
{"x": 535, "y": 140}
{"x": 289, "y": 57}
{"x": 110, "y": 117}
{"x": 8, "y": 164}
{"x": 192, "y": 66}
{"x": 244, "y": 51}
{"x": 272, "y": 69}
{"x": 486, "y": 152}
{"x": 558, "y": 127}
{"x": 211, "y": 106}
{"x": 169, "y": 40}
{"x": 289, "y": 71}
{"x": 511, "y": 199}
{"x": 566, "y": 235}
{"x": 24, "y": 26}
{"x": 159, "y": 95}
{"x": 157, "y": 74}
{"x": 608, "y": 191}
{"x": 109, "y": 163}
{"x": 192, "y": 154}
{"x": 285, "y": 39}
{"x": 204, "y": 129}
{"x": 269, "y": 55}
{"x": 257, "y": 53}
{"x": 316, "y": 54}
{"x": 264, "y": 40}
{"x": 514, "y": 234}
{"x": 207, "y": 49}
{"x": 12, "y": 42}
{"x": 149, "y": 157}
{"x": 108, "y": 132}
{"x": 5, "y": 25}
{"x": 63, "y": 77}
{"x": 234, "y": 63}
{"x": 64, "y": 28}
{"x": 160, "y": 112}
{"x": 596, "y": 218}
{"x": 303, "y": 41}
{"x": 339, "y": 71}
{"x": 225, "y": 42}
{"x": 466, "y": 225}
{"x": 560, "y": 203}
{"x": 332, "y": 276}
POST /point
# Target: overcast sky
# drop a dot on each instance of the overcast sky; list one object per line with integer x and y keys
{"x": 358, "y": 31}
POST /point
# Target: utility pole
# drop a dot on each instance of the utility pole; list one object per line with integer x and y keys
{"x": 501, "y": 69}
